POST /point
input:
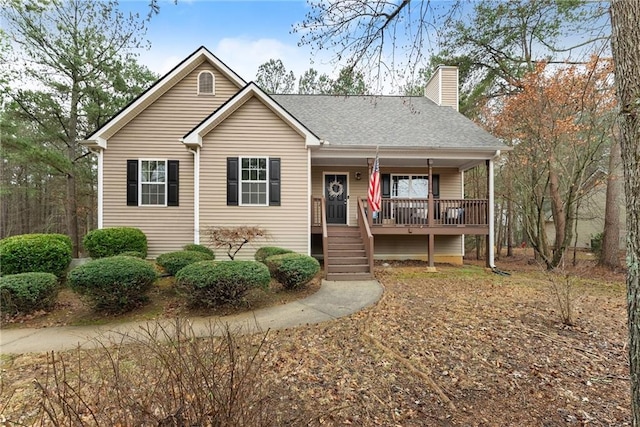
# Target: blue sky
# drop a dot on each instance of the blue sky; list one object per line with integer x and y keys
{"x": 243, "y": 34}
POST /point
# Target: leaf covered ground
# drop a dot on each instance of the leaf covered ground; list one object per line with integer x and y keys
{"x": 459, "y": 347}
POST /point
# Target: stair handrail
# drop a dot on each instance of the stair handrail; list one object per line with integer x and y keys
{"x": 325, "y": 236}
{"x": 365, "y": 232}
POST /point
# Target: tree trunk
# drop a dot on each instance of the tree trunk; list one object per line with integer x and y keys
{"x": 610, "y": 255}
{"x": 72, "y": 152}
{"x": 509, "y": 225}
{"x": 625, "y": 39}
{"x": 500, "y": 231}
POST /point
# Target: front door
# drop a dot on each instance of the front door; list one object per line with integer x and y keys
{"x": 335, "y": 191}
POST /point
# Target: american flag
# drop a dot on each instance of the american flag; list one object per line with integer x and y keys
{"x": 374, "y": 196}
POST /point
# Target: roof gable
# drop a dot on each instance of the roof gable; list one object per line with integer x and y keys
{"x": 148, "y": 97}
{"x": 251, "y": 90}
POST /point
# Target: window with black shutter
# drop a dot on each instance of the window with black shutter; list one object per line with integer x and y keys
{"x": 253, "y": 181}
{"x": 153, "y": 182}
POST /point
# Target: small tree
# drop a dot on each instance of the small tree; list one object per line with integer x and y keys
{"x": 233, "y": 238}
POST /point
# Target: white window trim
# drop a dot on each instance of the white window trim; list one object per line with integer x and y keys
{"x": 411, "y": 176}
{"x": 213, "y": 84}
{"x": 241, "y": 181}
{"x": 166, "y": 177}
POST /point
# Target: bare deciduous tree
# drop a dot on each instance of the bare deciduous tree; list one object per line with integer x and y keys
{"x": 626, "y": 54}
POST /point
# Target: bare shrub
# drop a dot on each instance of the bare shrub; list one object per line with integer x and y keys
{"x": 164, "y": 376}
{"x": 563, "y": 288}
{"x": 233, "y": 238}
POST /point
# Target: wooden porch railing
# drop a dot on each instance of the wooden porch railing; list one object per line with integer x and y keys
{"x": 365, "y": 232}
{"x": 415, "y": 212}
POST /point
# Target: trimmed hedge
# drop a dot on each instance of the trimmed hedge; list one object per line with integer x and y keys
{"x": 107, "y": 242}
{"x": 199, "y": 248}
{"x": 266, "y": 251}
{"x": 45, "y": 253}
{"x": 134, "y": 254}
{"x": 213, "y": 283}
{"x": 293, "y": 270}
{"x": 172, "y": 262}
{"x": 114, "y": 284}
{"x": 27, "y": 292}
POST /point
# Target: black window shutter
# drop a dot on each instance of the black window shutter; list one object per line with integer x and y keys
{"x": 232, "y": 181}
{"x": 436, "y": 186}
{"x": 173, "y": 167}
{"x": 386, "y": 185}
{"x": 132, "y": 182}
{"x": 274, "y": 181}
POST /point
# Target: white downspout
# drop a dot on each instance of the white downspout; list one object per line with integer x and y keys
{"x": 100, "y": 188}
{"x": 196, "y": 194}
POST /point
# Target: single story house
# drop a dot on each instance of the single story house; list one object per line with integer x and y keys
{"x": 202, "y": 147}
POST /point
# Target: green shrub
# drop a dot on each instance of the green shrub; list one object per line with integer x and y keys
{"x": 46, "y": 253}
{"x": 134, "y": 254}
{"x": 27, "y": 292}
{"x": 266, "y": 251}
{"x": 293, "y": 270}
{"x": 199, "y": 248}
{"x": 113, "y": 241}
{"x": 173, "y": 262}
{"x": 212, "y": 283}
{"x": 113, "y": 284}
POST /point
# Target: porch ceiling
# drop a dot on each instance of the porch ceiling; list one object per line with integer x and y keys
{"x": 418, "y": 158}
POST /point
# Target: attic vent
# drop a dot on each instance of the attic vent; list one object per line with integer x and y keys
{"x": 205, "y": 83}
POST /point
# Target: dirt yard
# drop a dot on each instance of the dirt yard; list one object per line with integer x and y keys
{"x": 459, "y": 347}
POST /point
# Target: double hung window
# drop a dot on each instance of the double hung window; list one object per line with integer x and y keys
{"x": 253, "y": 181}
{"x": 410, "y": 186}
{"x": 153, "y": 182}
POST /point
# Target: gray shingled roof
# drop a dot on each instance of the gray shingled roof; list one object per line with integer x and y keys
{"x": 387, "y": 121}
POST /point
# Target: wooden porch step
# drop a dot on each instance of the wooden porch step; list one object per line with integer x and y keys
{"x": 343, "y": 231}
{"x": 349, "y": 276}
{"x": 348, "y": 268}
{"x": 344, "y": 239}
{"x": 341, "y": 260}
{"x": 346, "y": 247}
{"x": 333, "y": 253}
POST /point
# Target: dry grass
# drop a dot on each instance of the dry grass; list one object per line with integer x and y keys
{"x": 462, "y": 346}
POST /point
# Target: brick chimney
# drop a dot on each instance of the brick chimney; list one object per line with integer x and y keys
{"x": 442, "y": 87}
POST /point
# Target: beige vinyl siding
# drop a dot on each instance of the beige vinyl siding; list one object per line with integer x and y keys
{"x": 442, "y": 87}
{"x": 432, "y": 90}
{"x": 253, "y": 130}
{"x": 155, "y": 134}
{"x": 416, "y": 247}
{"x": 449, "y": 87}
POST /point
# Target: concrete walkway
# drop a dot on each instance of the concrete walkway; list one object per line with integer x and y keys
{"x": 333, "y": 300}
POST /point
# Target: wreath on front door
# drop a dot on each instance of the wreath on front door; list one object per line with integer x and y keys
{"x": 335, "y": 188}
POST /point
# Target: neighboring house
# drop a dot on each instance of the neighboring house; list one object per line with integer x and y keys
{"x": 203, "y": 148}
{"x": 590, "y": 220}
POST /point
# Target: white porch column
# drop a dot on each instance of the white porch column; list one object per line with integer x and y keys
{"x": 100, "y": 187}
{"x": 491, "y": 237}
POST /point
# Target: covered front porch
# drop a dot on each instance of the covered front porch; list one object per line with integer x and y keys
{"x": 421, "y": 196}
